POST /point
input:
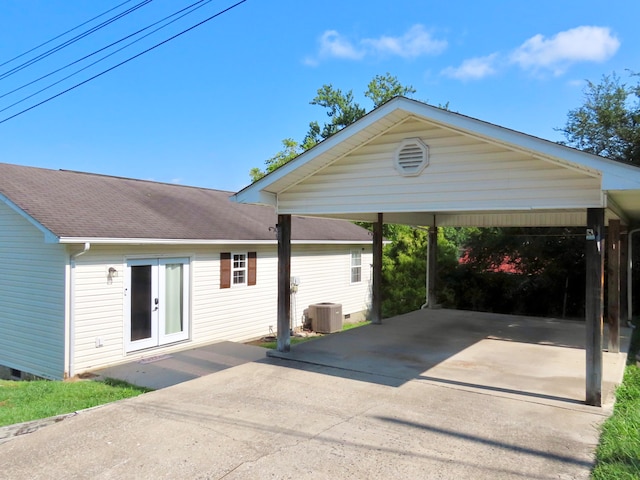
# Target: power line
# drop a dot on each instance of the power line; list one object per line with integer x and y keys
{"x": 125, "y": 61}
{"x": 59, "y": 47}
{"x": 192, "y": 8}
{"x": 63, "y": 34}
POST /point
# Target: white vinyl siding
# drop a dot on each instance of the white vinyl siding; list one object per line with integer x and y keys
{"x": 235, "y": 314}
{"x": 32, "y": 298}
{"x": 464, "y": 174}
{"x": 327, "y": 278}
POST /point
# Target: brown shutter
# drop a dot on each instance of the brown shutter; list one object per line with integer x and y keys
{"x": 225, "y": 270}
{"x": 252, "y": 258}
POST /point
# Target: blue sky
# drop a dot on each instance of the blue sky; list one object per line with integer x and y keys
{"x": 205, "y": 108}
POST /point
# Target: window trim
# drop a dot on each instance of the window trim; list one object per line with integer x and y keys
{"x": 352, "y": 266}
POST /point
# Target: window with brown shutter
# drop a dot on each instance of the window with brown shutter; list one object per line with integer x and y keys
{"x": 238, "y": 269}
{"x": 225, "y": 270}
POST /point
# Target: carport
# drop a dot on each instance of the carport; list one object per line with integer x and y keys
{"x": 410, "y": 163}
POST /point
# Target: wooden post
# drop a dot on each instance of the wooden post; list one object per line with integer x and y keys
{"x": 624, "y": 264}
{"x": 613, "y": 285}
{"x": 594, "y": 304}
{"x": 376, "y": 293}
{"x": 433, "y": 265}
{"x": 284, "y": 283}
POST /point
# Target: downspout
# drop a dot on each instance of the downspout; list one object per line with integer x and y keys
{"x": 630, "y": 276}
{"x": 72, "y": 306}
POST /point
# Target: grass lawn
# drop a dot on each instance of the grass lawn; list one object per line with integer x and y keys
{"x": 22, "y": 401}
{"x": 295, "y": 340}
{"x": 618, "y": 453}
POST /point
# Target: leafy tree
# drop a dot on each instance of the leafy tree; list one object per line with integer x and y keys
{"x": 404, "y": 268}
{"x": 342, "y": 110}
{"x": 534, "y": 271}
{"x": 383, "y": 88}
{"x": 608, "y": 123}
{"x": 291, "y": 150}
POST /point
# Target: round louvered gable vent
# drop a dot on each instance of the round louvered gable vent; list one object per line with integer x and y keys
{"x": 412, "y": 156}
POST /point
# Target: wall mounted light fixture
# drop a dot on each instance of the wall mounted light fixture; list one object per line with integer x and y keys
{"x": 112, "y": 273}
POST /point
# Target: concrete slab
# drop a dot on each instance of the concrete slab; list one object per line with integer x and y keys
{"x": 412, "y": 408}
{"x": 161, "y": 371}
{"x": 505, "y": 354}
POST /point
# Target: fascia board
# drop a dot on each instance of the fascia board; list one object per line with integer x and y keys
{"x": 156, "y": 241}
{"x": 260, "y": 197}
{"x": 49, "y": 236}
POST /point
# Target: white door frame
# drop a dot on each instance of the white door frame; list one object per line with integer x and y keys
{"x": 157, "y": 312}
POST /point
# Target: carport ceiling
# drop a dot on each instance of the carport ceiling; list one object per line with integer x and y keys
{"x": 421, "y": 165}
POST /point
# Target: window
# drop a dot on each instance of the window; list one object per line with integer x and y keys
{"x": 356, "y": 266}
{"x": 237, "y": 269}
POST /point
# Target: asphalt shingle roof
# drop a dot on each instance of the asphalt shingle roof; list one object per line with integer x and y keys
{"x": 85, "y": 205}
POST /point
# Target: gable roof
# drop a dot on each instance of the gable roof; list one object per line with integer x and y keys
{"x": 75, "y": 206}
{"x": 617, "y": 185}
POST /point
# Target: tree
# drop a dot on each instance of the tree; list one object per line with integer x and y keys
{"x": 383, "y": 88}
{"x": 608, "y": 123}
{"x": 533, "y": 271}
{"x": 290, "y": 151}
{"x": 404, "y": 268}
{"x": 342, "y": 110}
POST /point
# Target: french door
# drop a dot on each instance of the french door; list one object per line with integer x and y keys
{"x": 156, "y": 302}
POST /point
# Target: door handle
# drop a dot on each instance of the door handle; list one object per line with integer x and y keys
{"x": 156, "y": 302}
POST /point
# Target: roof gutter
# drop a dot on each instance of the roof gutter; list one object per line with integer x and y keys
{"x": 169, "y": 241}
{"x": 72, "y": 306}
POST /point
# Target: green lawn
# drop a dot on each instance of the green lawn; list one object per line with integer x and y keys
{"x": 295, "y": 340}
{"x": 21, "y": 401}
{"x": 618, "y": 454}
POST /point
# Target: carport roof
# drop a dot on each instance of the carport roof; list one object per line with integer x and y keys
{"x": 613, "y": 185}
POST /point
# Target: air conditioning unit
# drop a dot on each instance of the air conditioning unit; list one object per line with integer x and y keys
{"x": 326, "y": 317}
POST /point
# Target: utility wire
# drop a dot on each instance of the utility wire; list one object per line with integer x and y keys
{"x": 59, "y": 47}
{"x": 193, "y": 8}
{"x": 63, "y": 34}
{"x": 125, "y": 61}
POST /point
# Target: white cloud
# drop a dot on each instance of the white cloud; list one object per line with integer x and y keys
{"x": 580, "y": 44}
{"x": 415, "y": 42}
{"x": 473, "y": 68}
{"x": 332, "y": 44}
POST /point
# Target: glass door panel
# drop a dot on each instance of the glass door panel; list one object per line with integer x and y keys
{"x": 141, "y": 304}
{"x": 174, "y": 286}
{"x": 141, "y": 301}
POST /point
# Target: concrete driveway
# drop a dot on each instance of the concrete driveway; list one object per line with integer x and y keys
{"x": 434, "y": 394}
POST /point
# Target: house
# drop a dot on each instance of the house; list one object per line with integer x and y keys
{"x": 99, "y": 270}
